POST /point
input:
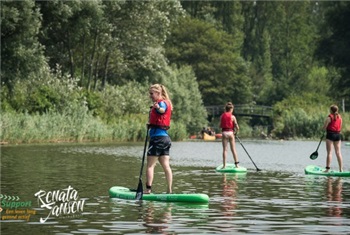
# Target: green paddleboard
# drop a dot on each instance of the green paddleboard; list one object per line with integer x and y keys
{"x": 126, "y": 193}
{"x": 316, "y": 170}
{"x": 231, "y": 168}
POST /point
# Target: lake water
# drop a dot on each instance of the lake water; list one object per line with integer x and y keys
{"x": 280, "y": 199}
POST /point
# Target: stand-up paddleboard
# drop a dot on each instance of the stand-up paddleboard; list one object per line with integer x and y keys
{"x": 347, "y": 144}
{"x": 126, "y": 193}
{"x": 231, "y": 168}
{"x": 317, "y": 170}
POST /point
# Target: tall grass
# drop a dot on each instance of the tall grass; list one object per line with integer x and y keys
{"x": 76, "y": 126}
{"x": 80, "y": 126}
{"x": 51, "y": 127}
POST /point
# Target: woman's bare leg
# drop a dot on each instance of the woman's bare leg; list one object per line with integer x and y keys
{"x": 164, "y": 162}
{"x": 337, "y": 145}
{"x": 151, "y": 163}
{"x": 224, "y": 150}
{"x": 329, "y": 154}
{"x": 233, "y": 149}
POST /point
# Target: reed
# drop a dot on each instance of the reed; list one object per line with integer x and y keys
{"x": 75, "y": 126}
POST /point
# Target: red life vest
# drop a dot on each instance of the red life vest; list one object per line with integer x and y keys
{"x": 226, "y": 123}
{"x": 161, "y": 120}
{"x": 335, "y": 124}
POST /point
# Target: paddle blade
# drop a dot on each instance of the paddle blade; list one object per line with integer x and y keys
{"x": 139, "y": 192}
{"x": 314, "y": 155}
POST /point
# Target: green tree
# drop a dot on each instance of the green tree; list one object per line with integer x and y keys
{"x": 186, "y": 97}
{"x": 107, "y": 41}
{"x": 280, "y": 43}
{"x": 334, "y": 47}
{"x": 70, "y": 32}
{"x": 141, "y": 28}
{"x": 221, "y": 73}
{"x": 21, "y": 53}
{"x": 257, "y": 50}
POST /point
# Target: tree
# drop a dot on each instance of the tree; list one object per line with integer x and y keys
{"x": 70, "y": 32}
{"x": 280, "y": 45}
{"x": 107, "y": 41}
{"x": 187, "y": 99}
{"x": 21, "y": 53}
{"x": 334, "y": 48}
{"x": 220, "y": 71}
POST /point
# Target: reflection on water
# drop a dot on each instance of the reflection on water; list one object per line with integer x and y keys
{"x": 334, "y": 196}
{"x": 229, "y": 188}
{"x": 156, "y": 219}
{"x": 279, "y": 200}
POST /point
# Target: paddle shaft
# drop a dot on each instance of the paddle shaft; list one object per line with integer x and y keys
{"x": 144, "y": 154}
{"x": 320, "y": 142}
{"x": 257, "y": 169}
{"x": 139, "y": 192}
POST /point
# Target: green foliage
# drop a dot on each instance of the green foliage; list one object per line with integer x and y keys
{"x": 280, "y": 44}
{"x": 131, "y": 98}
{"x": 317, "y": 81}
{"x": 45, "y": 92}
{"x": 300, "y": 116}
{"x": 245, "y": 130}
{"x": 72, "y": 124}
{"x": 75, "y": 123}
{"x": 21, "y": 53}
{"x": 261, "y": 51}
{"x": 346, "y": 126}
{"x": 186, "y": 98}
{"x": 94, "y": 102}
{"x": 80, "y": 114}
{"x": 178, "y": 131}
{"x": 334, "y": 46}
{"x": 214, "y": 56}
{"x": 107, "y": 41}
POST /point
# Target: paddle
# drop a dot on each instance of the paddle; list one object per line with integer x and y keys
{"x": 257, "y": 169}
{"x": 314, "y": 155}
{"x": 139, "y": 191}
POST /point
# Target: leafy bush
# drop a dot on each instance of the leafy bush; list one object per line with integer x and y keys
{"x": 300, "y": 116}
{"x": 48, "y": 92}
{"x": 186, "y": 98}
{"x": 131, "y": 98}
{"x": 53, "y": 107}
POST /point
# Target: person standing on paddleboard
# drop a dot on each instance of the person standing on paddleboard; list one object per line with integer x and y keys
{"x": 229, "y": 127}
{"x": 160, "y": 142}
{"x": 333, "y": 126}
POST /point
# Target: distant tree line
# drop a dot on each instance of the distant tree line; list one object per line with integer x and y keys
{"x": 205, "y": 52}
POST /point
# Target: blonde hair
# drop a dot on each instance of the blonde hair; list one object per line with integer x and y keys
{"x": 228, "y": 106}
{"x": 334, "y": 110}
{"x": 162, "y": 91}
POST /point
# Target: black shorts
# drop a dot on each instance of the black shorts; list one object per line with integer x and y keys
{"x": 159, "y": 146}
{"x": 333, "y": 136}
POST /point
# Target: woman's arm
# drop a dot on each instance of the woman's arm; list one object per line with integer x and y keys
{"x": 235, "y": 123}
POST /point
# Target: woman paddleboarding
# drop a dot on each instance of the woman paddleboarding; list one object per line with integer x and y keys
{"x": 333, "y": 126}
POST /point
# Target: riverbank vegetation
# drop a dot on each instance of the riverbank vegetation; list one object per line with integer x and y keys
{"x": 80, "y": 70}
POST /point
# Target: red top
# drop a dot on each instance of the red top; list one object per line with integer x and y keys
{"x": 335, "y": 124}
{"x": 226, "y": 123}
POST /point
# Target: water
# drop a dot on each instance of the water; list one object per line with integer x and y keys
{"x": 280, "y": 199}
